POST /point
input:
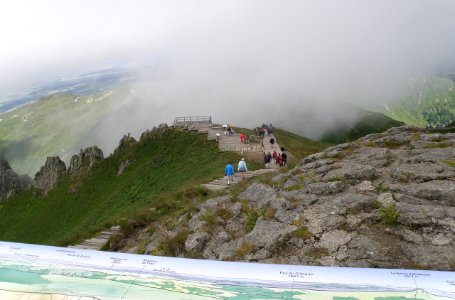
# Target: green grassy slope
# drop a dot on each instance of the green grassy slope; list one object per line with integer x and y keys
{"x": 431, "y": 100}
{"x": 297, "y": 145}
{"x": 368, "y": 123}
{"x": 51, "y": 126}
{"x": 164, "y": 166}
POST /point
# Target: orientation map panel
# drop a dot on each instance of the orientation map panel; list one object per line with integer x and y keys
{"x": 43, "y": 272}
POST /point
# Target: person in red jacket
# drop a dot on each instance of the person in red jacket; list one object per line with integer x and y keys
{"x": 278, "y": 160}
{"x": 242, "y": 138}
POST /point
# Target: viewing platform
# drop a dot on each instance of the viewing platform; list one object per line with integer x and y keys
{"x": 193, "y": 122}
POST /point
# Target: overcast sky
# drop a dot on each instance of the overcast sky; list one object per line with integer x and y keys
{"x": 248, "y": 53}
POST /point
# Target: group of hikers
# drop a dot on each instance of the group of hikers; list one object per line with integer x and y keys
{"x": 229, "y": 170}
{"x": 280, "y": 158}
{"x": 260, "y": 131}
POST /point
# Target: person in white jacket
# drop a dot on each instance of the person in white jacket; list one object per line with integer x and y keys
{"x": 242, "y": 168}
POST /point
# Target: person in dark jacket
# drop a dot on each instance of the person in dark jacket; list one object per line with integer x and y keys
{"x": 267, "y": 160}
{"x": 284, "y": 158}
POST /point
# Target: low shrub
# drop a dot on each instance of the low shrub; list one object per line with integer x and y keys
{"x": 389, "y": 214}
{"x": 302, "y": 233}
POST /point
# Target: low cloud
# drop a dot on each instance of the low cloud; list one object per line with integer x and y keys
{"x": 243, "y": 62}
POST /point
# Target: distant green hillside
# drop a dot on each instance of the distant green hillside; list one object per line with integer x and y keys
{"x": 54, "y": 125}
{"x": 368, "y": 123}
{"x": 297, "y": 145}
{"x": 165, "y": 166}
{"x": 430, "y": 101}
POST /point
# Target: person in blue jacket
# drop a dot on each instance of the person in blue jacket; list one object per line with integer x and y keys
{"x": 229, "y": 172}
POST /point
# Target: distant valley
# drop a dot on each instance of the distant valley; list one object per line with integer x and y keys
{"x": 85, "y": 111}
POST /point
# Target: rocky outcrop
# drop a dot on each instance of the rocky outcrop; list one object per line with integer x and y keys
{"x": 386, "y": 200}
{"x": 10, "y": 182}
{"x": 125, "y": 142}
{"x": 81, "y": 163}
{"x": 49, "y": 175}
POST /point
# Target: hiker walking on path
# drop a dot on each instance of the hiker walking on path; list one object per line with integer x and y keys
{"x": 272, "y": 141}
{"x": 229, "y": 172}
{"x": 267, "y": 160}
{"x": 261, "y": 132}
{"x": 270, "y": 129}
{"x": 284, "y": 158}
{"x": 242, "y": 168}
{"x": 242, "y": 138}
{"x": 278, "y": 160}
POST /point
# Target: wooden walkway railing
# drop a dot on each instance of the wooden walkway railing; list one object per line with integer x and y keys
{"x": 182, "y": 121}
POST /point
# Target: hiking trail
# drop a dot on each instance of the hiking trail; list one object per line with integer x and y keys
{"x": 231, "y": 142}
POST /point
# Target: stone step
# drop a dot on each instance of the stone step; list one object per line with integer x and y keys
{"x": 213, "y": 187}
{"x": 97, "y": 242}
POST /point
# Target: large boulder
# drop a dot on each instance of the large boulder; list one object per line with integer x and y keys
{"x": 10, "y": 182}
{"x": 49, "y": 175}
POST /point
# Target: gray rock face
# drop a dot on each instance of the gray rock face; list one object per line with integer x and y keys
{"x": 196, "y": 242}
{"x": 49, "y": 174}
{"x": 365, "y": 186}
{"x": 269, "y": 234}
{"x": 10, "y": 182}
{"x": 386, "y": 200}
{"x": 84, "y": 161}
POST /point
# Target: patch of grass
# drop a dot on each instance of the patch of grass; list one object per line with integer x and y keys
{"x": 296, "y": 171}
{"x": 337, "y": 178}
{"x": 415, "y": 136}
{"x": 450, "y": 163}
{"x": 209, "y": 217}
{"x": 392, "y": 144}
{"x": 141, "y": 247}
{"x": 211, "y": 223}
{"x": 317, "y": 252}
{"x": 375, "y": 204}
{"x": 389, "y": 214}
{"x": 302, "y": 233}
{"x": 244, "y": 249}
{"x": 295, "y": 187}
{"x": 297, "y": 146}
{"x": 251, "y": 219}
{"x": 224, "y": 213}
{"x": 370, "y": 144}
{"x": 439, "y": 138}
{"x": 437, "y": 145}
{"x": 172, "y": 246}
{"x": 269, "y": 213}
{"x": 416, "y": 266}
{"x": 245, "y": 206}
